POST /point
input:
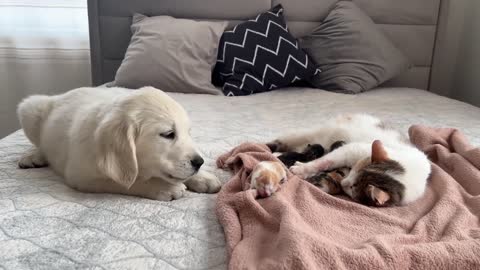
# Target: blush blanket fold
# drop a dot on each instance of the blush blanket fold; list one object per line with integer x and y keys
{"x": 301, "y": 227}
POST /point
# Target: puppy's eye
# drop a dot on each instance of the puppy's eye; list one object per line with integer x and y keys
{"x": 170, "y": 135}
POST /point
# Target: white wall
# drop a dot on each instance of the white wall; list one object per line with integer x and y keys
{"x": 44, "y": 49}
{"x": 467, "y": 74}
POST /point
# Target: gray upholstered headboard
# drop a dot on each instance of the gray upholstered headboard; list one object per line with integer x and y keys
{"x": 413, "y": 25}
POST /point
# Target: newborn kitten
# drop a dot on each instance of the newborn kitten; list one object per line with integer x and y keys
{"x": 266, "y": 178}
{"x": 386, "y": 169}
{"x": 330, "y": 182}
{"x": 326, "y": 181}
{"x": 311, "y": 152}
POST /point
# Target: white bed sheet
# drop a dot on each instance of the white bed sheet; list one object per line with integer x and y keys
{"x": 44, "y": 224}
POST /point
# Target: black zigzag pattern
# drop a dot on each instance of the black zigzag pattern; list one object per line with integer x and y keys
{"x": 260, "y": 55}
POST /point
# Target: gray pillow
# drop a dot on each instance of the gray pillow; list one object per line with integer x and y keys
{"x": 174, "y": 55}
{"x": 352, "y": 53}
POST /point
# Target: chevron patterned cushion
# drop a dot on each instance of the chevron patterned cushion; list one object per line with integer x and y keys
{"x": 260, "y": 55}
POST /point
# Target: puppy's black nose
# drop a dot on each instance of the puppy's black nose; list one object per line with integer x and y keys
{"x": 197, "y": 162}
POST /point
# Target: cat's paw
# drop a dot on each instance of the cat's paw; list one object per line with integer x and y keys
{"x": 298, "y": 163}
{"x": 303, "y": 171}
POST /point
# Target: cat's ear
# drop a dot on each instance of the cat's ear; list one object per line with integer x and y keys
{"x": 377, "y": 195}
{"x": 378, "y": 152}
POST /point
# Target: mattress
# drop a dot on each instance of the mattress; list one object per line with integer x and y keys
{"x": 45, "y": 224}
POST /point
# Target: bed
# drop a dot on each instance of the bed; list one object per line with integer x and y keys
{"x": 45, "y": 224}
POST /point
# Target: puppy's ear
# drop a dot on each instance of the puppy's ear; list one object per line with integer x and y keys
{"x": 116, "y": 151}
{"x": 379, "y": 154}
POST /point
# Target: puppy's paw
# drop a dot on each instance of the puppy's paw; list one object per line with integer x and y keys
{"x": 34, "y": 159}
{"x": 204, "y": 182}
{"x": 175, "y": 192}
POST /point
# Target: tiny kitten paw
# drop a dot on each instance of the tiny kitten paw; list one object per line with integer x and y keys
{"x": 302, "y": 171}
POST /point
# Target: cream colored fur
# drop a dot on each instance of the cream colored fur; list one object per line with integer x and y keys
{"x": 114, "y": 140}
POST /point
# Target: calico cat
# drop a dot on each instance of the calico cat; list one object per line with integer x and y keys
{"x": 385, "y": 168}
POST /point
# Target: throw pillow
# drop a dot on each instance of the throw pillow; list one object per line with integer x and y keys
{"x": 174, "y": 55}
{"x": 353, "y": 54}
{"x": 260, "y": 55}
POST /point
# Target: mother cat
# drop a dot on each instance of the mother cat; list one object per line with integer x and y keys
{"x": 386, "y": 169}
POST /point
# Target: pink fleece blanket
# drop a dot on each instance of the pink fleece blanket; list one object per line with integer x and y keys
{"x": 301, "y": 227}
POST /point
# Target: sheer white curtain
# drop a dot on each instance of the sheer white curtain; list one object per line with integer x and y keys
{"x": 44, "y": 49}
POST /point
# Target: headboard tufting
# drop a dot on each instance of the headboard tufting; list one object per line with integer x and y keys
{"x": 411, "y": 24}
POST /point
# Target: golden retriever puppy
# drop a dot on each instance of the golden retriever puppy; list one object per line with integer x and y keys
{"x": 114, "y": 140}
